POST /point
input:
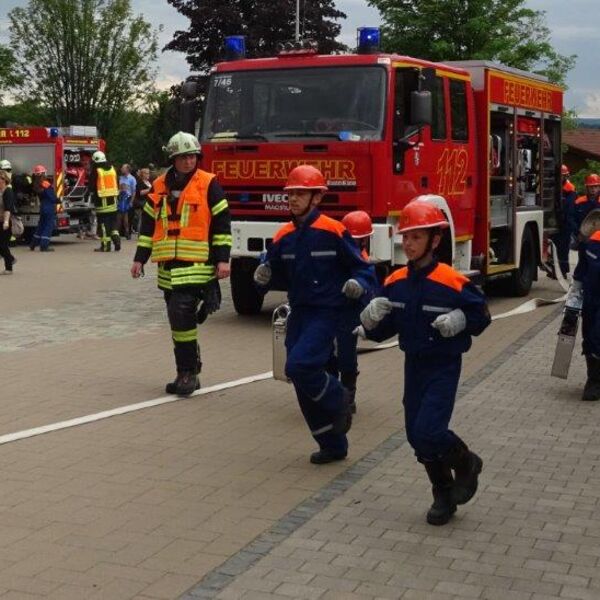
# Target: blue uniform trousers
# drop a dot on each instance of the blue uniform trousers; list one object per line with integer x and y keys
{"x": 590, "y": 328}
{"x": 43, "y": 231}
{"x": 430, "y": 384}
{"x": 562, "y": 241}
{"x": 346, "y": 341}
{"x": 309, "y": 344}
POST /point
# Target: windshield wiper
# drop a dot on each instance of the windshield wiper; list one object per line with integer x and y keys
{"x": 310, "y": 134}
{"x": 237, "y": 136}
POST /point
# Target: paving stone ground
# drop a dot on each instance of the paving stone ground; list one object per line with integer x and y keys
{"x": 531, "y": 533}
{"x": 155, "y": 504}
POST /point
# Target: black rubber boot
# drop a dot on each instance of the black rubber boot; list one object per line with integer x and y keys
{"x": 324, "y": 456}
{"x": 467, "y": 466}
{"x": 187, "y": 383}
{"x": 591, "y": 391}
{"x": 171, "y": 388}
{"x": 349, "y": 382}
{"x": 442, "y": 483}
{"x": 342, "y": 422}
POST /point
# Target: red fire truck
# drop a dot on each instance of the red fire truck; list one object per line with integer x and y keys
{"x": 480, "y": 140}
{"x": 65, "y": 152}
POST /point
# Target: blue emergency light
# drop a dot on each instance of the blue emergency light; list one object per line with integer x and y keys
{"x": 235, "y": 47}
{"x": 368, "y": 39}
{"x": 54, "y": 131}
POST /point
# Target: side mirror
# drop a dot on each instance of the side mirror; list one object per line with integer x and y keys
{"x": 421, "y": 108}
{"x": 189, "y": 90}
{"x": 188, "y": 116}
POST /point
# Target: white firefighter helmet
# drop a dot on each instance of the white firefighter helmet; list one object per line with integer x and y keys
{"x": 182, "y": 143}
{"x": 5, "y": 165}
{"x": 99, "y": 156}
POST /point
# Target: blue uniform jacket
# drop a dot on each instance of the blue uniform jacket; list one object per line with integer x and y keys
{"x": 48, "y": 199}
{"x": 312, "y": 261}
{"x": 419, "y": 297}
{"x": 578, "y": 211}
{"x": 587, "y": 270}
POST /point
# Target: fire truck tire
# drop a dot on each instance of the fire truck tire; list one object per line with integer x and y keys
{"x": 246, "y": 298}
{"x": 522, "y": 278}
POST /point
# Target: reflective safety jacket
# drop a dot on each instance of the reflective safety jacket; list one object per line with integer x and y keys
{"x": 419, "y": 296}
{"x": 104, "y": 187}
{"x": 182, "y": 233}
{"x": 186, "y": 228}
{"x": 313, "y": 260}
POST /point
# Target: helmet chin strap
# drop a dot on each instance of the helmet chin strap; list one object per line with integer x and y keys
{"x": 309, "y": 206}
{"x": 432, "y": 231}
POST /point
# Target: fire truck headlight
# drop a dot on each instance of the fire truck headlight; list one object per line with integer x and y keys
{"x": 368, "y": 39}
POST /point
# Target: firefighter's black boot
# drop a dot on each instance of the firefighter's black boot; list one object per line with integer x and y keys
{"x": 442, "y": 484}
{"x": 342, "y": 422}
{"x": 325, "y": 455}
{"x": 116, "y": 240}
{"x": 349, "y": 382}
{"x": 187, "y": 383}
{"x": 591, "y": 391}
{"x": 171, "y": 388}
{"x": 467, "y": 466}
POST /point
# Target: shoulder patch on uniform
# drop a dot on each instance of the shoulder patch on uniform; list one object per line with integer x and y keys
{"x": 568, "y": 187}
{"x": 328, "y": 224}
{"x": 283, "y": 231}
{"x": 46, "y": 184}
{"x": 581, "y": 199}
{"x": 396, "y": 276}
{"x": 595, "y": 237}
{"x": 446, "y": 275}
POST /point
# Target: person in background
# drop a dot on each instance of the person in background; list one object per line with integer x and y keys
{"x": 131, "y": 185}
{"x": 123, "y": 205}
{"x": 48, "y": 201}
{"x": 144, "y": 186}
{"x": 7, "y": 208}
{"x": 103, "y": 187}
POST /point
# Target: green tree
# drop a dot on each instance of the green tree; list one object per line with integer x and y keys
{"x": 8, "y": 76}
{"x": 265, "y": 24}
{"x": 500, "y": 30}
{"x": 87, "y": 60}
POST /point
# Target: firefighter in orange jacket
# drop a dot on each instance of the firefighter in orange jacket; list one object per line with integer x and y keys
{"x": 583, "y": 205}
{"x": 103, "y": 186}
{"x": 186, "y": 229}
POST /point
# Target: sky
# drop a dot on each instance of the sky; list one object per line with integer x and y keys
{"x": 573, "y": 25}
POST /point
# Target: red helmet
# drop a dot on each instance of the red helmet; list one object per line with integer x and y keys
{"x": 420, "y": 214}
{"x": 358, "y": 223}
{"x": 592, "y": 179}
{"x": 564, "y": 170}
{"x": 305, "y": 177}
{"x": 39, "y": 170}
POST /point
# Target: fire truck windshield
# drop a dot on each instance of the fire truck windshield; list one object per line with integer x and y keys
{"x": 346, "y": 103}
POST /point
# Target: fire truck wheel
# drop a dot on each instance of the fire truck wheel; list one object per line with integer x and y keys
{"x": 246, "y": 298}
{"x": 522, "y": 278}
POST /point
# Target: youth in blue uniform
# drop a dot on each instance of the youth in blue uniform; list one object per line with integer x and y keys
{"x": 48, "y": 202}
{"x": 434, "y": 310}
{"x": 582, "y": 205}
{"x": 585, "y": 293}
{"x": 316, "y": 260}
{"x": 360, "y": 227}
{"x": 563, "y": 237}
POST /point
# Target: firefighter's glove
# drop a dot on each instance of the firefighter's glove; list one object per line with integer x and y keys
{"x": 375, "y": 312}
{"x": 360, "y": 332}
{"x": 574, "y": 299}
{"x": 352, "y": 289}
{"x": 263, "y": 274}
{"x": 211, "y": 301}
{"x": 450, "y": 324}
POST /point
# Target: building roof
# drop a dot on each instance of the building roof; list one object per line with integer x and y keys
{"x": 583, "y": 141}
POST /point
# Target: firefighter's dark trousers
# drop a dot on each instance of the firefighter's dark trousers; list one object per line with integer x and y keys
{"x": 309, "y": 344}
{"x": 430, "y": 385}
{"x": 108, "y": 231}
{"x": 181, "y": 308}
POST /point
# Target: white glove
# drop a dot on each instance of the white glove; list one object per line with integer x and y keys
{"x": 375, "y": 312}
{"x": 263, "y": 274}
{"x": 360, "y": 332}
{"x": 352, "y": 289}
{"x": 450, "y": 324}
{"x": 574, "y": 295}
